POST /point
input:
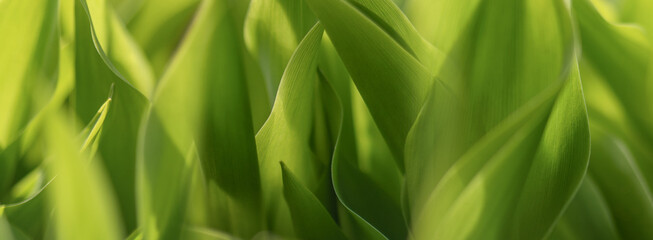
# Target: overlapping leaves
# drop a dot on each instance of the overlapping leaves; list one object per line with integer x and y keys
{"x": 325, "y": 119}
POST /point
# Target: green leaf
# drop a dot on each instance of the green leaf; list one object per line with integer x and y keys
{"x": 285, "y": 135}
{"x": 354, "y": 188}
{"x": 587, "y": 217}
{"x": 620, "y": 56}
{"x": 80, "y": 195}
{"x": 95, "y": 75}
{"x": 361, "y": 195}
{"x": 93, "y": 129}
{"x": 371, "y": 208}
{"x": 28, "y": 205}
{"x": 30, "y": 48}
{"x": 29, "y": 62}
{"x": 7, "y": 231}
{"x": 158, "y": 28}
{"x": 273, "y": 29}
{"x": 499, "y": 70}
{"x": 559, "y": 164}
{"x": 310, "y": 218}
{"x": 636, "y": 11}
{"x": 200, "y": 102}
{"x": 514, "y": 138}
{"x": 203, "y": 97}
{"x": 603, "y": 43}
{"x": 624, "y": 188}
{"x": 162, "y": 189}
{"x": 461, "y": 206}
{"x": 389, "y": 17}
{"x": 121, "y": 50}
{"x": 23, "y": 148}
{"x": 373, "y": 154}
{"x": 208, "y": 234}
{"x": 442, "y": 22}
{"x": 392, "y": 82}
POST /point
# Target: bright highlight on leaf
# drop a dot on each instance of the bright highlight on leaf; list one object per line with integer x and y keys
{"x": 326, "y": 119}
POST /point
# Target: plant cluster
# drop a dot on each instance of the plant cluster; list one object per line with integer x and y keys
{"x": 326, "y": 119}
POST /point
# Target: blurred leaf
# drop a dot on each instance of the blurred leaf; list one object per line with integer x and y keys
{"x": 442, "y": 22}
{"x": 273, "y": 29}
{"x": 206, "y": 234}
{"x": 26, "y": 210}
{"x": 135, "y": 235}
{"x": 28, "y": 63}
{"x": 201, "y": 91}
{"x": 29, "y": 60}
{"x": 126, "y": 9}
{"x": 7, "y": 231}
{"x": 23, "y": 149}
{"x": 494, "y": 191}
{"x": 80, "y": 195}
{"x": 624, "y": 189}
{"x": 543, "y": 156}
{"x": 587, "y": 217}
{"x": 620, "y": 56}
{"x": 158, "y": 28}
{"x": 514, "y": 139}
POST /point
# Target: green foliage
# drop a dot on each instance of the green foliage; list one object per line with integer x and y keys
{"x": 326, "y": 119}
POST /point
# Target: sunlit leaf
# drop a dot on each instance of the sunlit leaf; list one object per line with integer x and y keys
{"x": 28, "y": 63}
{"x": 80, "y": 195}
{"x": 273, "y": 29}
{"x": 284, "y": 136}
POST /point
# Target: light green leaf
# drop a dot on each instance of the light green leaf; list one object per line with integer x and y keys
{"x": 204, "y": 88}
{"x": 517, "y": 136}
{"x": 493, "y": 191}
{"x": 285, "y": 135}
{"x": 93, "y": 130}
{"x": 126, "y": 9}
{"x": 28, "y": 63}
{"x": 273, "y": 29}
{"x": 7, "y": 231}
{"x": 620, "y": 56}
{"x": 499, "y": 64}
{"x": 201, "y": 91}
{"x": 442, "y": 22}
{"x": 116, "y": 43}
{"x": 390, "y": 18}
{"x": 80, "y": 195}
{"x": 158, "y": 28}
